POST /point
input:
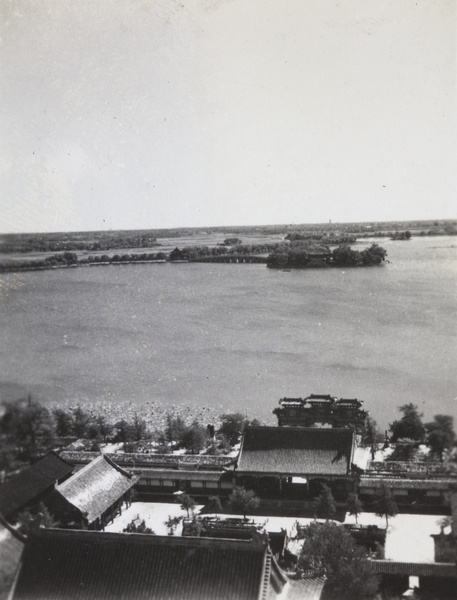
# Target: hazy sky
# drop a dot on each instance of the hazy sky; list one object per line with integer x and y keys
{"x": 137, "y": 113}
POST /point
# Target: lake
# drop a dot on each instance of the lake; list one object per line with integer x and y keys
{"x": 222, "y": 337}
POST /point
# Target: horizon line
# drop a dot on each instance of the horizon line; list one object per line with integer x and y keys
{"x": 224, "y": 227}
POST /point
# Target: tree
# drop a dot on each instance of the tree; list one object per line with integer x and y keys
{"x": 139, "y": 429}
{"x": 405, "y": 450}
{"x": 374, "y": 255}
{"x": 7, "y": 454}
{"x": 345, "y": 256}
{"x": 93, "y": 432}
{"x": 329, "y": 549}
{"x": 232, "y": 427}
{"x": 354, "y": 506}
{"x": 29, "y": 426}
{"x": 410, "y": 425}
{"x": 214, "y": 505}
{"x": 81, "y": 420}
{"x": 187, "y": 503}
{"x": 192, "y": 528}
{"x": 174, "y": 429}
{"x": 440, "y": 434}
{"x": 324, "y": 504}
{"x": 172, "y": 523}
{"x": 194, "y": 437}
{"x": 162, "y": 444}
{"x": 124, "y": 432}
{"x": 135, "y": 527}
{"x": 385, "y": 505}
{"x": 63, "y": 422}
{"x": 371, "y": 435}
{"x": 70, "y": 257}
{"x": 242, "y": 501}
{"x": 105, "y": 428}
{"x": 29, "y": 520}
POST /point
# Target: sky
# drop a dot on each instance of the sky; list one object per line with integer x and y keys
{"x": 127, "y": 114}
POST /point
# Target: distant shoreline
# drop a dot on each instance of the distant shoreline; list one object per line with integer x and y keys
{"x": 20, "y": 269}
{"x": 17, "y": 268}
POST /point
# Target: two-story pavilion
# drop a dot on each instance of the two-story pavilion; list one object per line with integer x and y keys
{"x": 291, "y": 463}
{"x": 321, "y": 409}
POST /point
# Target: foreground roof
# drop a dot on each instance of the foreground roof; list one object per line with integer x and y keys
{"x": 89, "y": 565}
{"x": 31, "y": 482}
{"x": 96, "y": 487}
{"x": 296, "y": 451}
{"x": 306, "y": 589}
{"x": 11, "y": 547}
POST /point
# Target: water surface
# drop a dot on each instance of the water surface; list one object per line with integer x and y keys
{"x": 237, "y": 337}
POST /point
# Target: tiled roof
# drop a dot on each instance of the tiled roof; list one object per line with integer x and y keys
{"x": 11, "y": 546}
{"x": 32, "y": 482}
{"x": 404, "y": 484}
{"x": 309, "y": 588}
{"x": 96, "y": 487}
{"x": 296, "y": 450}
{"x": 390, "y": 567}
{"x": 88, "y": 565}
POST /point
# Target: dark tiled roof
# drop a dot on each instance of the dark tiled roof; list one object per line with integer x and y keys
{"x": 86, "y": 565}
{"x": 296, "y": 450}
{"x": 32, "y": 482}
{"x": 11, "y": 546}
{"x": 309, "y": 588}
{"x": 96, "y": 487}
{"x": 390, "y": 567}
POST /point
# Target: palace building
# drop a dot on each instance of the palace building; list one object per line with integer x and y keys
{"x": 321, "y": 409}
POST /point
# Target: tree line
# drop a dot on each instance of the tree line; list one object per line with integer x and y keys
{"x": 330, "y": 239}
{"x": 28, "y": 430}
{"x": 71, "y": 259}
{"x": 299, "y": 253}
{"x": 303, "y": 254}
{"x": 64, "y": 242}
{"x": 410, "y": 431}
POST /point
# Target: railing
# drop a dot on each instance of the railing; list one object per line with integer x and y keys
{"x": 137, "y": 459}
{"x": 425, "y": 469}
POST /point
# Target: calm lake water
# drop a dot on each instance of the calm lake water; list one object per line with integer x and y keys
{"x": 237, "y": 337}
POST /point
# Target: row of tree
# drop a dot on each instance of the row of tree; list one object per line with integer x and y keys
{"x": 69, "y": 259}
{"x": 118, "y": 258}
{"x": 328, "y": 548}
{"x": 198, "y": 252}
{"x": 438, "y": 434}
{"x": 300, "y": 254}
{"x": 28, "y": 430}
{"x": 93, "y": 241}
{"x": 282, "y": 254}
{"x": 244, "y": 502}
{"x": 330, "y": 239}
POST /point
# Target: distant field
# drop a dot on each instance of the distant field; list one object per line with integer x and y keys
{"x": 169, "y": 238}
